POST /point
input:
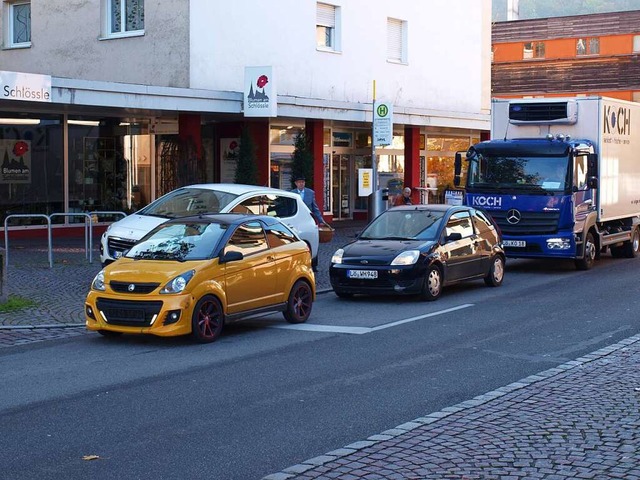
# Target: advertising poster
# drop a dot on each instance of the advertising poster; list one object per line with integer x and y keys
{"x": 229, "y": 148}
{"x": 16, "y": 161}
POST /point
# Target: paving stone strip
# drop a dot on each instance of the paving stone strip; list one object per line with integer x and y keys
{"x": 579, "y": 420}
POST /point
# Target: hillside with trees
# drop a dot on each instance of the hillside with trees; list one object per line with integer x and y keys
{"x": 555, "y": 8}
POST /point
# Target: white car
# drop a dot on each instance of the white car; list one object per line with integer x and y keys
{"x": 211, "y": 198}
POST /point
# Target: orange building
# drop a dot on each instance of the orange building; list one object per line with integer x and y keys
{"x": 597, "y": 54}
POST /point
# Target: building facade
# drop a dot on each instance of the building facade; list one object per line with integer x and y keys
{"x": 597, "y": 54}
{"x": 107, "y": 104}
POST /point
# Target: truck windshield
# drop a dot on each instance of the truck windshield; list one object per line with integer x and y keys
{"x": 520, "y": 173}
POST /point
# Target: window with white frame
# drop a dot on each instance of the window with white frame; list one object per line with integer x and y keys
{"x": 636, "y": 43}
{"x": 588, "y": 46}
{"x": 123, "y": 17}
{"x": 533, "y": 50}
{"x": 17, "y": 15}
{"x": 327, "y": 27}
{"x": 396, "y": 40}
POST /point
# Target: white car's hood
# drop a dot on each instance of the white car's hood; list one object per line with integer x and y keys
{"x": 134, "y": 227}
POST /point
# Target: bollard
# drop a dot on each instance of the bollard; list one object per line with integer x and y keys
{"x": 3, "y": 278}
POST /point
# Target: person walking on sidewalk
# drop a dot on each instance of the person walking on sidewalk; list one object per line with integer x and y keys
{"x": 309, "y": 199}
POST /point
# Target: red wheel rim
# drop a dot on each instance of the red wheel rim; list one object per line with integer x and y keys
{"x": 208, "y": 319}
{"x": 302, "y": 301}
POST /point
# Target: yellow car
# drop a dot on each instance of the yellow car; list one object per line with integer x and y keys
{"x": 194, "y": 274}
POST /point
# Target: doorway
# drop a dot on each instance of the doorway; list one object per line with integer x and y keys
{"x": 341, "y": 186}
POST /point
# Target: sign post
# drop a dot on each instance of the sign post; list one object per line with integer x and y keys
{"x": 382, "y": 135}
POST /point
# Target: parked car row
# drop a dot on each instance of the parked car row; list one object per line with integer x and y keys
{"x": 206, "y": 255}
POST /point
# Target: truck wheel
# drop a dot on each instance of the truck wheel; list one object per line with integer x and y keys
{"x": 586, "y": 262}
{"x": 631, "y": 248}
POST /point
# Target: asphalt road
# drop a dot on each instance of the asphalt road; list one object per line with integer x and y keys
{"x": 268, "y": 395}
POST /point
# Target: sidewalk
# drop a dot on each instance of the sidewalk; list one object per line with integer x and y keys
{"x": 580, "y": 420}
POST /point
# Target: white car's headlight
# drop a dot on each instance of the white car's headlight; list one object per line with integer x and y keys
{"x": 179, "y": 283}
{"x": 337, "y": 257}
{"x": 406, "y": 258}
{"x": 98, "y": 282}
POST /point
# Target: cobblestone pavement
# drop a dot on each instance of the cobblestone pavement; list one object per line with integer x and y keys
{"x": 580, "y": 420}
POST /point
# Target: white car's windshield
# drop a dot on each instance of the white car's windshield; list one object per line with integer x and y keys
{"x": 179, "y": 241}
{"x": 189, "y": 201}
{"x": 404, "y": 225}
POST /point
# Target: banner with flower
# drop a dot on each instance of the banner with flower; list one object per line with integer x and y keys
{"x": 260, "y": 95}
{"x": 16, "y": 161}
{"x": 229, "y": 147}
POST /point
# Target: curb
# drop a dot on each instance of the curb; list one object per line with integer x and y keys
{"x": 433, "y": 417}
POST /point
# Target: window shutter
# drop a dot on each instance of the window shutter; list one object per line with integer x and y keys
{"x": 326, "y": 15}
{"x": 394, "y": 39}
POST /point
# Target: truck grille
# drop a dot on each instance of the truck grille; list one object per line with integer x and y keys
{"x": 116, "y": 244}
{"x": 531, "y": 223}
{"x": 128, "y": 313}
{"x": 138, "y": 288}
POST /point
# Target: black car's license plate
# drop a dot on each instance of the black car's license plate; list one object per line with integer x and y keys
{"x": 363, "y": 274}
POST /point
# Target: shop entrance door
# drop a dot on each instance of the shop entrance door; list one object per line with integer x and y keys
{"x": 341, "y": 186}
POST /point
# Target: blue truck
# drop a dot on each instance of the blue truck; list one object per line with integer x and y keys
{"x": 560, "y": 176}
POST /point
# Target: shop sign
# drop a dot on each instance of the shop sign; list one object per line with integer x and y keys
{"x": 26, "y": 87}
{"x": 16, "y": 161}
{"x": 382, "y": 123}
{"x": 260, "y": 95}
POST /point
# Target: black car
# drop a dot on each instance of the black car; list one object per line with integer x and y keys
{"x": 418, "y": 250}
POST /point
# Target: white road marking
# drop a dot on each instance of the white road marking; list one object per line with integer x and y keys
{"x": 309, "y": 327}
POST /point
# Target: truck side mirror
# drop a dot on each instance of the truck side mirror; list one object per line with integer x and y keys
{"x": 457, "y": 168}
{"x": 592, "y": 166}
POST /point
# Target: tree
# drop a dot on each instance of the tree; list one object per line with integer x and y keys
{"x": 246, "y": 168}
{"x": 302, "y": 159}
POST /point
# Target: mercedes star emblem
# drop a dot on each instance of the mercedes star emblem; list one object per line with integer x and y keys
{"x": 513, "y": 216}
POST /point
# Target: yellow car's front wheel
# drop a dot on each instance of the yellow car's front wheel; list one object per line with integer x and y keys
{"x": 207, "y": 320}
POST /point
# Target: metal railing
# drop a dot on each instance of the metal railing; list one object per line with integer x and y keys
{"x": 88, "y": 230}
{"x": 26, "y": 215}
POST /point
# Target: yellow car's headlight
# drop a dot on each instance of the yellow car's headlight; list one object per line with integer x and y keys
{"x": 98, "y": 282}
{"x": 179, "y": 283}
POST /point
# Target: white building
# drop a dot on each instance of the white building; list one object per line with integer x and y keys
{"x": 139, "y": 97}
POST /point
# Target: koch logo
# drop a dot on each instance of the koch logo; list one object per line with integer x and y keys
{"x": 487, "y": 201}
{"x": 617, "y": 120}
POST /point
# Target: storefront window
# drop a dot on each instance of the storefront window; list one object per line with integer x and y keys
{"x": 109, "y": 165}
{"x": 362, "y": 161}
{"x": 440, "y": 163}
{"x": 283, "y": 135}
{"x": 280, "y": 171}
{"x": 31, "y": 174}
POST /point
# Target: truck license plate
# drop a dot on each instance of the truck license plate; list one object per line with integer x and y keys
{"x": 363, "y": 274}
{"x": 514, "y": 243}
